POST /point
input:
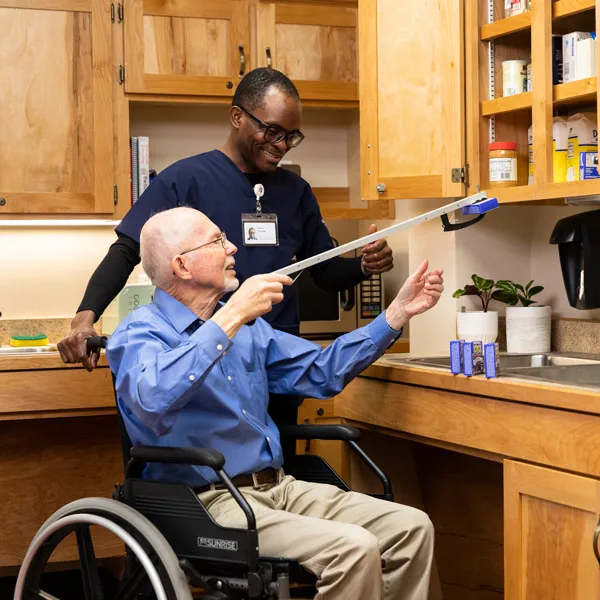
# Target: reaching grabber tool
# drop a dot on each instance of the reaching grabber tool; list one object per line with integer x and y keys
{"x": 478, "y": 204}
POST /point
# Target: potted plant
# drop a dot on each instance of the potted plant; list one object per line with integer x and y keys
{"x": 480, "y": 325}
{"x": 527, "y": 326}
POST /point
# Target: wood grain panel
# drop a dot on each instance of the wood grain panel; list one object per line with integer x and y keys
{"x": 177, "y": 46}
{"x": 317, "y": 53}
{"x": 508, "y": 104}
{"x": 188, "y": 84}
{"x": 327, "y": 92}
{"x": 541, "y": 78}
{"x": 62, "y": 389}
{"x": 504, "y": 27}
{"x": 315, "y": 14}
{"x": 45, "y": 465}
{"x": 36, "y": 202}
{"x": 207, "y": 9}
{"x": 61, "y": 5}
{"x": 51, "y": 150}
{"x": 546, "y": 436}
{"x": 503, "y": 388}
{"x": 549, "y": 523}
{"x": 335, "y": 204}
{"x": 368, "y": 94}
{"x": 420, "y": 91}
{"x": 563, "y": 8}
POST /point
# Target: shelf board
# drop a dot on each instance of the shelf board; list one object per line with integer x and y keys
{"x": 334, "y": 203}
{"x": 506, "y": 105}
{"x": 575, "y": 91}
{"x": 532, "y": 193}
{"x": 506, "y": 26}
{"x": 518, "y": 193}
{"x": 565, "y": 8}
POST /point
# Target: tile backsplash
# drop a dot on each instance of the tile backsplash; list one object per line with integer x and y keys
{"x": 55, "y": 329}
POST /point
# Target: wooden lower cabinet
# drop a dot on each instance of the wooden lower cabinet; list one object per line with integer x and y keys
{"x": 549, "y": 522}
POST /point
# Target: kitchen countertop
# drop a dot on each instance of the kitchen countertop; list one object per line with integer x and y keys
{"x": 506, "y": 388}
{"x": 387, "y": 368}
{"x": 34, "y": 362}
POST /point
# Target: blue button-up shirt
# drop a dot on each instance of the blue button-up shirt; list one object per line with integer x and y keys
{"x": 183, "y": 385}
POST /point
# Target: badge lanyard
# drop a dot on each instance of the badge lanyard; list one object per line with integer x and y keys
{"x": 259, "y": 228}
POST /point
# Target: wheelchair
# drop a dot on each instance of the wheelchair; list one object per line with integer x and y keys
{"x": 172, "y": 542}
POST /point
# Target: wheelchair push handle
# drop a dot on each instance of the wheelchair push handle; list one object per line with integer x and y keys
{"x": 95, "y": 343}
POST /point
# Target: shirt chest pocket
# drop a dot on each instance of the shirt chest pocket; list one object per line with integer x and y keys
{"x": 256, "y": 390}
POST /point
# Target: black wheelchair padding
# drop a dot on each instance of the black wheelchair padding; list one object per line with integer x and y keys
{"x": 179, "y": 515}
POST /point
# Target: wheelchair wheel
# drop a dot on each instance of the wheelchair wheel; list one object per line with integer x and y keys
{"x": 156, "y": 563}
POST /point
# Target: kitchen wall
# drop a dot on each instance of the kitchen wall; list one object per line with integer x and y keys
{"x": 510, "y": 243}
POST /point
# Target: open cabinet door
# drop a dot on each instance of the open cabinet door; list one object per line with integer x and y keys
{"x": 411, "y": 90}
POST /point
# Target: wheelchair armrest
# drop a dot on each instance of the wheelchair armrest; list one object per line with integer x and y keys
{"x": 344, "y": 433}
{"x": 202, "y": 457}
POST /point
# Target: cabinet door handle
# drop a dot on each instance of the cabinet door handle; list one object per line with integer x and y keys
{"x": 242, "y": 60}
{"x": 596, "y": 535}
{"x": 269, "y": 61}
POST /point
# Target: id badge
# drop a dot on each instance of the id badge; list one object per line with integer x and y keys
{"x": 260, "y": 229}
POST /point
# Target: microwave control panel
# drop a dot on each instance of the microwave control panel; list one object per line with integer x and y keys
{"x": 371, "y": 297}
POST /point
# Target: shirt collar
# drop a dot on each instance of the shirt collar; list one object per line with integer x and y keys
{"x": 180, "y": 316}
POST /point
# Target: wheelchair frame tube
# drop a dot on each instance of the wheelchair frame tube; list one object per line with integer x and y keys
{"x": 387, "y": 486}
{"x": 239, "y": 498}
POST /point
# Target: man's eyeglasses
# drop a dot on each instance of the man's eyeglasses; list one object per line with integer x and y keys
{"x": 222, "y": 239}
{"x": 275, "y": 134}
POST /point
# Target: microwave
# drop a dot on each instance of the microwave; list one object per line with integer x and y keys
{"x": 327, "y": 315}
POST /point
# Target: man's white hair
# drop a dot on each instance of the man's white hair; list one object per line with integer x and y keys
{"x": 165, "y": 235}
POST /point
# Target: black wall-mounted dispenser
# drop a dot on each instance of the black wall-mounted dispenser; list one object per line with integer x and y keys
{"x": 578, "y": 240}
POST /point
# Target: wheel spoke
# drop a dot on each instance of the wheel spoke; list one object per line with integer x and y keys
{"x": 92, "y": 588}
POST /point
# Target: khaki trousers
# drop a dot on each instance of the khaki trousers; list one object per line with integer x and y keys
{"x": 359, "y": 548}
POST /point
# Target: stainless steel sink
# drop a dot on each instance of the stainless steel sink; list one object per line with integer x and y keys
{"x": 553, "y": 367}
{"x": 10, "y": 351}
{"x": 513, "y": 361}
{"x": 584, "y": 375}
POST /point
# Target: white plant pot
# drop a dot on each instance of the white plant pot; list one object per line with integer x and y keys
{"x": 477, "y": 326}
{"x": 528, "y": 329}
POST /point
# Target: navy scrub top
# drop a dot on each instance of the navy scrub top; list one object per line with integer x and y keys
{"x": 213, "y": 184}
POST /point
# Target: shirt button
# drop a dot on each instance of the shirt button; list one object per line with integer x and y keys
{"x": 192, "y": 378}
{"x": 219, "y": 347}
{"x": 228, "y": 377}
{"x": 243, "y": 412}
{"x": 268, "y": 439}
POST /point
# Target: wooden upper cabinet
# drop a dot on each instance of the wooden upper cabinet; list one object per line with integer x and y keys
{"x": 411, "y": 79}
{"x": 549, "y": 523}
{"x": 186, "y": 46}
{"x": 313, "y": 44}
{"x": 56, "y": 114}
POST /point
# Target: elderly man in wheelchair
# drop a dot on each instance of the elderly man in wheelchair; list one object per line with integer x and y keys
{"x": 206, "y": 499}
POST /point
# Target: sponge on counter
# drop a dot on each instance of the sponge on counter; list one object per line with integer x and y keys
{"x": 28, "y": 340}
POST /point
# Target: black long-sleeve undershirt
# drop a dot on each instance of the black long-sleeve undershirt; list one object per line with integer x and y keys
{"x": 112, "y": 273}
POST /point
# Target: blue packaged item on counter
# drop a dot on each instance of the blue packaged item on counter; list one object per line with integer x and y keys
{"x": 491, "y": 360}
{"x": 456, "y": 357}
{"x": 588, "y": 165}
{"x": 473, "y": 358}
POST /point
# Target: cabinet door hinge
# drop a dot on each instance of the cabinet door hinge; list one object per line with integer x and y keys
{"x": 121, "y": 74}
{"x": 115, "y": 194}
{"x": 116, "y": 12}
{"x": 460, "y": 175}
